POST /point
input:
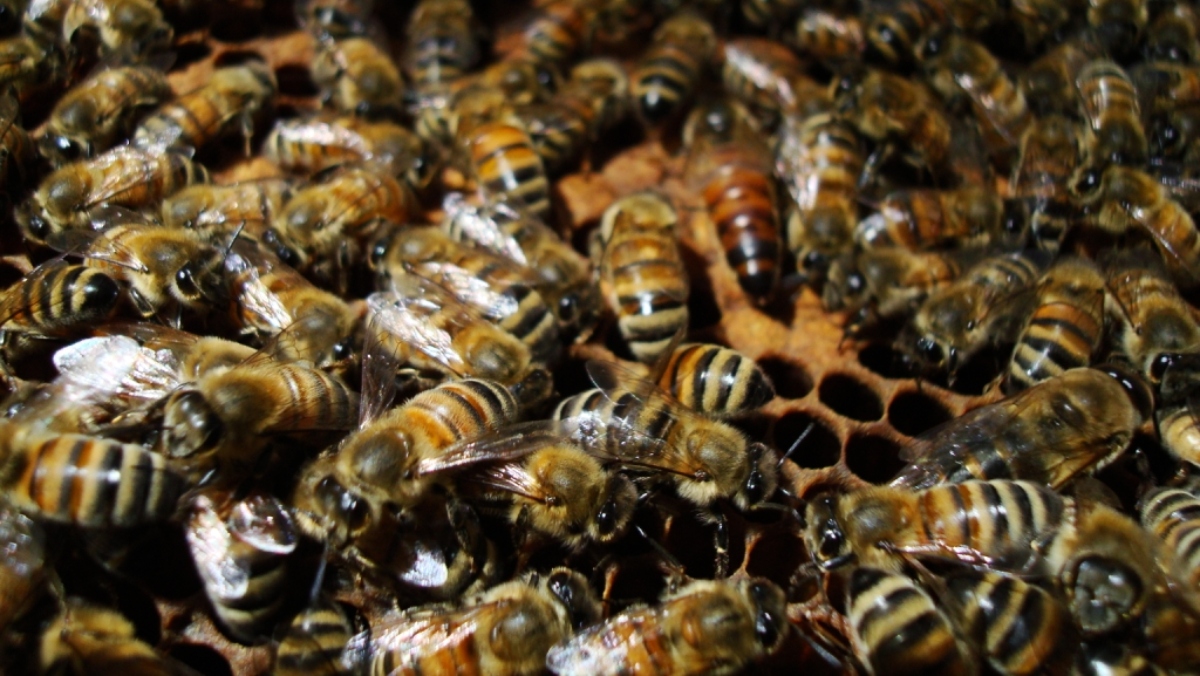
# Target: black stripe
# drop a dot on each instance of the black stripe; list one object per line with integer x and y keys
{"x": 72, "y": 474}
{"x": 141, "y": 479}
{"x": 107, "y": 491}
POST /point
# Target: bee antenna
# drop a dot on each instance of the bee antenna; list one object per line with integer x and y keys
{"x": 796, "y": 444}
{"x": 319, "y": 576}
{"x": 669, "y": 558}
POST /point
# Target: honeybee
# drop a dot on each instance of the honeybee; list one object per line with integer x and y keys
{"x": 1048, "y": 81}
{"x": 118, "y": 24}
{"x": 230, "y": 100}
{"x": 768, "y": 78}
{"x": 1173, "y": 515}
{"x": 271, "y": 298}
{"x": 706, "y": 627}
{"x": 769, "y": 13}
{"x": 321, "y": 229}
{"x": 124, "y": 177}
{"x": 96, "y": 113}
{"x": 24, "y": 569}
{"x": 87, "y": 639}
{"x": 897, "y": 628}
{"x": 894, "y": 30}
{"x": 820, "y": 160}
{"x": 1118, "y": 24}
{"x": 311, "y": 145}
{"x": 887, "y": 282}
{"x": 1110, "y": 106}
{"x": 58, "y": 299}
{"x": 241, "y": 549}
{"x": 218, "y": 212}
{"x": 16, "y": 150}
{"x": 732, "y": 172}
{"x": 522, "y": 79}
{"x": 565, "y": 276}
{"x": 27, "y": 62}
{"x": 1151, "y": 318}
{"x": 335, "y": 18}
{"x": 1037, "y": 21}
{"x": 1076, "y": 422}
{"x": 500, "y": 290}
{"x": 832, "y": 38}
{"x": 667, "y": 74}
{"x": 357, "y": 76}
{"x": 889, "y": 109}
{"x": 555, "y": 31}
{"x": 1172, "y": 36}
{"x": 643, "y": 268}
{"x": 1122, "y": 197}
{"x": 984, "y": 306}
{"x": 1173, "y": 137}
{"x": 1019, "y": 627}
{"x": 507, "y": 166}
{"x": 927, "y": 218}
{"x": 1176, "y": 412}
{"x": 442, "y": 45}
{"x": 317, "y": 643}
{"x": 1065, "y": 328}
{"x": 632, "y": 422}
{"x": 715, "y": 381}
{"x": 958, "y": 64}
{"x": 1105, "y": 657}
{"x": 605, "y": 86}
{"x": 559, "y": 130}
{"x": 226, "y": 416}
{"x": 1049, "y": 152}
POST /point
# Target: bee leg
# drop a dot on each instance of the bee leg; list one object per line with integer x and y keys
{"x": 721, "y": 545}
{"x": 522, "y": 541}
{"x": 874, "y": 161}
{"x": 141, "y": 303}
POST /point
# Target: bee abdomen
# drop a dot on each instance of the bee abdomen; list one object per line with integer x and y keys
{"x": 1174, "y": 516}
{"x": 742, "y": 206}
{"x": 663, "y": 82}
{"x": 715, "y": 380}
{"x": 509, "y": 168}
{"x": 314, "y": 643}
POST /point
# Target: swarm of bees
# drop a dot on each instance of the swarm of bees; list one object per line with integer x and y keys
{"x": 599, "y": 337}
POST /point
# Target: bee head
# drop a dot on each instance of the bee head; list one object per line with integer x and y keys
{"x": 192, "y": 426}
{"x": 823, "y": 534}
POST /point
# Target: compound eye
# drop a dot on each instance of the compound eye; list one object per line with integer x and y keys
{"x": 929, "y": 350}
{"x": 185, "y": 281}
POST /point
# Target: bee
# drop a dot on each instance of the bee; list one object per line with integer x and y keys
{"x": 632, "y": 422}
{"x": 58, "y": 299}
{"x": 559, "y": 129}
{"x": 1019, "y": 627}
{"x": 667, "y": 74}
{"x": 895, "y": 29}
{"x": 715, "y": 381}
{"x": 1173, "y": 137}
{"x": 770, "y": 80}
{"x": 321, "y": 229}
{"x": 1150, "y": 318}
{"x": 335, "y": 18}
{"x": 118, "y": 25}
{"x": 1172, "y": 36}
{"x": 1106, "y": 657}
{"x": 555, "y": 32}
{"x": 357, "y": 76}
{"x": 820, "y": 160}
{"x": 500, "y": 290}
{"x": 961, "y": 67}
{"x": 984, "y": 306}
{"x": 16, "y": 150}
{"x": 643, "y": 268}
{"x": 317, "y": 643}
{"x": 927, "y": 218}
{"x": 1049, "y": 153}
{"x": 887, "y": 282}
{"x": 226, "y": 416}
{"x": 1110, "y": 106}
{"x": 442, "y": 45}
{"x": 218, "y": 212}
{"x": 98, "y": 112}
{"x": 1066, "y": 327}
{"x": 1118, "y": 24}
{"x": 889, "y": 109}
{"x": 27, "y": 63}
{"x": 507, "y": 166}
{"x": 87, "y": 639}
{"x": 522, "y": 79}
{"x": 310, "y": 146}
{"x": 897, "y": 628}
{"x": 1038, "y": 20}
{"x": 605, "y": 86}
{"x": 230, "y": 100}
{"x": 706, "y": 627}
{"x": 1121, "y": 198}
{"x": 1076, "y": 422}
{"x": 124, "y": 177}
{"x": 565, "y": 276}
{"x": 1049, "y": 80}
{"x": 832, "y": 38}
{"x": 876, "y": 526}
{"x": 271, "y": 298}
{"x": 1173, "y": 515}
{"x": 24, "y": 569}
{"x": 241, "y": 549}
{"x": 1176, "y": 414}
{"x": 733, "y": 174}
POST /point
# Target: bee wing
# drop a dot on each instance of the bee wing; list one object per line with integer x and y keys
{"x": 508, "y": 444}
{"x": 93, "y": 244}
{"x": 408, "y": 311}
{"x": 433, "y": 630}
{"x": 379, "y": 364}
{"x": 252, "y": 293}
{"x": 489, "y": 300}
{"x": 97, "y": 369}
{"x": 473, "y": 224}
{"x": 600, "y": 648}
{"x": 114, "y": 184}
{"x": 210, "y": 541}
{"x": 263, "y": 522}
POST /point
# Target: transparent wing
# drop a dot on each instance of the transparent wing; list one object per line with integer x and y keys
{"x": 491, "y": 301}
{"x": 252, "y": 294}
{"x": 434, "y": 630}
{"x": 265, "y": 523}
{"x": 123, "y": 169}
{"x": 508, "y": 444}
{"x": 210, "y": 542}
{"x": 602, "y": 648}
{"x": 94, "y": 370}
{"x": 473, "y": 224}
{"x": 425, "y": 317}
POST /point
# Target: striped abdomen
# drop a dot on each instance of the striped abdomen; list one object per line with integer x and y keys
{"x": 1174, "y": 516}
{"x": 607, "y": 418}
{"x": 54, "y": 299}
{"x": 1065, "y": 328}
{"x": 741, "y": 203}
{"x": 90, "y": 481}
{"x": 663, "y": 81}
{"x": 897, "y": 628}
{"x": 509, "y": 168}
{"x": 314, "y": 643}
{"x": 994, "y": 518}
{"x": 1110, "y": 104}
{"x": 559, "y": 130}
{"x": 555, "y": 33}
{"x": 455, "y": 411}
{"x": 649, "y": 286}
{"x": 715, "y": 380}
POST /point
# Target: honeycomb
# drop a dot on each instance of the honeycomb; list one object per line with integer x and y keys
{"x": 850, "y": 399}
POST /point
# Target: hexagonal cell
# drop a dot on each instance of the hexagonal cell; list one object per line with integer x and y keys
{"x": 203, "y": 659}
{"x": 873, "y": 458}
{"x": 913, "y": 413}
{"x": 820, "y": 448}
{"x": 791, "y": 380}
{"x": 886, "y": 361}
{"x": 295, "y": 81}
{"x": 776, "y": 555}
{"x": 846, "y": 395}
